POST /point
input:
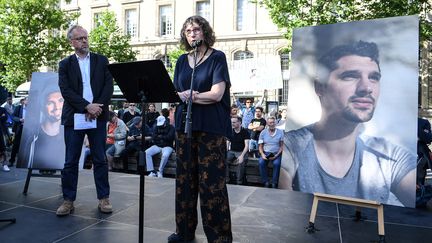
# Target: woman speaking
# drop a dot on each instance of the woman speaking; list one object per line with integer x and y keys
{"x": 202, "y": 171}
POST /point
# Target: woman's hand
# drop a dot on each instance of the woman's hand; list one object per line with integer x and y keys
{"x": 184, "y": 95}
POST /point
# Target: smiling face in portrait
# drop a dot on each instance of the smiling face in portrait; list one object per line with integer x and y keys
{"x": 352, "y": 89}
{"x": 53, "y": 106}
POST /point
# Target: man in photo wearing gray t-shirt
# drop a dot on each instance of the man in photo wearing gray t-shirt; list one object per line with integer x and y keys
{"x": 331, "y": 156}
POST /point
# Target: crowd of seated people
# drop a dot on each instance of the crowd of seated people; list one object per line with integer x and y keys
{"x": 124, "y": 137}
{"x": 159, "y": 139}
{"x": 254, "y": 137}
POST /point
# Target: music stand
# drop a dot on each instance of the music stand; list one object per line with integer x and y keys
{"x": 143, "y": 82}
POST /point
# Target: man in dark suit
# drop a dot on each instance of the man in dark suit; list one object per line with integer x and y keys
{"x": 18, "y": 118}
{"x": 86, "y": 86}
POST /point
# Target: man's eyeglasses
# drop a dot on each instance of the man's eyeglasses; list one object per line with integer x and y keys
{"x": 131, "y": 105}
{"x": 81, "y": 38}
{"x": 248, "y": 101}
{"x": 195, "y": 31}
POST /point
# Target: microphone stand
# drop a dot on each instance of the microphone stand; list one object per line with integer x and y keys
{"x": 141, "y": 167}
{"x": 188, "y": 132}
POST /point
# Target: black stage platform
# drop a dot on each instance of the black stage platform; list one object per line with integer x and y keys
{"x": 258, "y": 214}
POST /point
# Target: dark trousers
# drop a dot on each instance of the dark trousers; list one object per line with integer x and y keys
{"x": 232, "y": 158}
{"x": 74, "y": 142}
{"x": 423, "y": 162}
{"x": 206, "y": 177}
{"x": 16, "y": 144}
{"x": 130, "y": 148}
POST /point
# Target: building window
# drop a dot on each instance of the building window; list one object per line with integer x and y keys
{"x": 241, "y": 55}
{"x": 203, "y": 9}
{"x": 131, "y": 23}
{"x": 284, "y": 61}
{"x": 283, "y": 93}
{"x": 97, "y": 19}
{"x": 245, "y": 15}
{"x": 165, "y": 20}
{"x": 71, "y": 3}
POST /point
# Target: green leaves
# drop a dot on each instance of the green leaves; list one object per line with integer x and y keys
{"x": 108, "y": 39}
{"x": 300, "y": 13}
{"x": 174, "y": 55}
{"x": 32, "y": 37}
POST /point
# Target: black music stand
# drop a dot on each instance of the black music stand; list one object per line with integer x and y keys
{"x": 143, "y": 82}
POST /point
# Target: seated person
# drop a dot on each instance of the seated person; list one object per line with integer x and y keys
{"x": 163, "y": 140}
{"x": 270, "y": 148}
{"x": 116, "y": 136}
{"x": 130, "y": 113}
{"x": 238, "y": 147}
{"x": 133, "y": 141}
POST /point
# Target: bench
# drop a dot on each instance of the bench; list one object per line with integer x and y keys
{"x": 252, "y": 174}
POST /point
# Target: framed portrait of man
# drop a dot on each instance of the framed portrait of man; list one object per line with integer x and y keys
{"x": 42, "y": 143}
{"x": 352, "y": 111}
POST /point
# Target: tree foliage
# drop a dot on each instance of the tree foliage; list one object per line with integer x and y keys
{"x": 173, "y": 57}
{"x": 33, "y": 36}
{"x": 300, "y": 13}
{"x": 108, "y": 39}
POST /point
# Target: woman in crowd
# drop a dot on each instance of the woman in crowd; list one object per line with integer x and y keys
{"x": 203, "y": 170}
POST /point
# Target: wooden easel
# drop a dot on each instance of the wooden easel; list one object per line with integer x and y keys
{"x": 349, "y": 201}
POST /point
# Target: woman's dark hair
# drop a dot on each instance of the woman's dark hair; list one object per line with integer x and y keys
{"x": 111, "y": 115}
{"x": 209, "y": 35}
{"x": 360, "y": 48}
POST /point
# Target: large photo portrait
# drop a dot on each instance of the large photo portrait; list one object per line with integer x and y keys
{"x": 42, "y": 143}
{"x": 352, "y": 111}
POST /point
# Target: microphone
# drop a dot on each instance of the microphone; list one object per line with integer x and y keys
{"x": 196, "y": 43}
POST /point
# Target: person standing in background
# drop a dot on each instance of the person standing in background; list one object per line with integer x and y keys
{"x": 18, "y": 118}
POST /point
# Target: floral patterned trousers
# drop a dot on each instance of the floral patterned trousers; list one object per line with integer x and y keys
{"x": 203, "y": 174}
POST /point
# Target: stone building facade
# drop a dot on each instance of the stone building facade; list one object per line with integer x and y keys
{"x": 243, "y": 29}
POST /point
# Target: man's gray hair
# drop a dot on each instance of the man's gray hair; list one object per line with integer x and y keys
{"x": 69, "y": 32}
{"x": 271, "y": 118}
